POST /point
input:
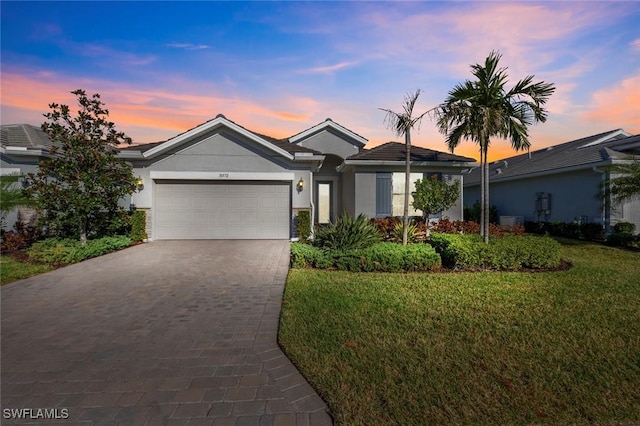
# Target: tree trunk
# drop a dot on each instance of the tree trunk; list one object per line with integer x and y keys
{"x": 481, "y": 192}
{"x": 487, "y": 209}
{"x": 407, "y": 182}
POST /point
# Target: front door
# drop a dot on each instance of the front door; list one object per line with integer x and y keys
{"x": 324, "y": 202}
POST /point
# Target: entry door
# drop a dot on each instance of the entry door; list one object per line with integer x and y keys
{"x": 324, "y": 202}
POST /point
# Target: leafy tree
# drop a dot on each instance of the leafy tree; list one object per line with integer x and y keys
{"x": 402, "y": 123}
{"x": 77, "y": 190}
{"x": 482, "y": 109}
{"x": 434, "y": 196}
{"x": 626, "y": 185}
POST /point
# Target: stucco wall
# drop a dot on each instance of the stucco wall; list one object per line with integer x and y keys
{"x": 365, "y": 194}
{"x": 329, "y": 143}
{"x": 572, "y": 195}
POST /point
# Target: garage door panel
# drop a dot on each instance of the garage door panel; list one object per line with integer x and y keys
{"x": 222, "y": 210}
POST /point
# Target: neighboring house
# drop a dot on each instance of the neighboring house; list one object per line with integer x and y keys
{"x": 561, "y": 183}
{"x": 220, "y": 180}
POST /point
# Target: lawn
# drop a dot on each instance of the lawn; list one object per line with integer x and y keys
{"x": 484, "y": 348}
{"x": 13, "y": 270}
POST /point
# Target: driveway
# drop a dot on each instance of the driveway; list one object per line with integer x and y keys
{"x": 169, "y": 332}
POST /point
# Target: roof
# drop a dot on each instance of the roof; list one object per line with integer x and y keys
{"x": 580, "y": 153}
{"x": 279, "y": 144}
{"x": 24, "y": 136}
{"x": 396, "y": 151}
{"x": 358, "y": 140}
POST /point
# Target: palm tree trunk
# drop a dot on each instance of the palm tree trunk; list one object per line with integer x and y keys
{"x": 486, "y": 199}
{"x": 407, "y": 182}
{"x": 481, "y": 191}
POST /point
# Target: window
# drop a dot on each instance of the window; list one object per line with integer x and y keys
{"x": 397, "y": 203}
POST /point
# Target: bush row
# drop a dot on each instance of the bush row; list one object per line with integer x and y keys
{"x": 380, "y": 257}
{"x": 583, "y": 231}
{"x": 508, "y": 253}
{"x": 56, "y": 250}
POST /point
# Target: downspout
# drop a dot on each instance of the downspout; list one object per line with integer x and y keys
{"x": 606, "y": 202}
{"x": 313, "y": 207}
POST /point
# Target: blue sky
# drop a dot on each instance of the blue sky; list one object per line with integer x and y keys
{"x": 279, "y": 68}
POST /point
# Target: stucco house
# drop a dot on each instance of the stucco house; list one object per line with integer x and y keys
{"x": 560, "y": 183}
{"x": 220, "y": 180}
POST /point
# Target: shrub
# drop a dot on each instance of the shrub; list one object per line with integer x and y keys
{"x": 412, "y": 232}
{"x": 303, "y": 225}
{"x": 381, "y": 257}
{"x": 56, "y": 250}
{"x": 624, "y": 227}
{"x": 386, "y": 226}
{"x": 622, "y": 239}
{"x": 472, "y": 213}
{"x": 347, "y": 233}
{"x": 447, "y": 226}
{"x": 138, "y": 226}
{"x": 592, "y": 232}
{"x": 509, "y": 253}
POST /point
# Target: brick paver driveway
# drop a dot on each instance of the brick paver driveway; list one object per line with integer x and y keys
{"x": 170, "y": 332}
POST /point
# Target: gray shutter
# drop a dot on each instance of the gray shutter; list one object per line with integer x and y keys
{"x": 384, "y": 195}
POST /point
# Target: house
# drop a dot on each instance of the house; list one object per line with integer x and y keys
{"x": 560, "y": 183}
{"x": 220, "y": 180}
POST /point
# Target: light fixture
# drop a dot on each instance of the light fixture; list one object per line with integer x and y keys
{"x": 300, "y": 185}
{"x": 139, "y": 184}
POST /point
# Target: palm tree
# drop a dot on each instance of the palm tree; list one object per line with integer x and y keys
{"x": 481, "y": 109}
{"x": 626, "y": 185}
{"x": 402, "y": 123}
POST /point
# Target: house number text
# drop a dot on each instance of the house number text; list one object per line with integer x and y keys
{"x": 223, "y": 175}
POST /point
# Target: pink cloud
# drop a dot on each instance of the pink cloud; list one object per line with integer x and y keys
{"x": 329, "y": 69}
{"x": 617, "y": 106}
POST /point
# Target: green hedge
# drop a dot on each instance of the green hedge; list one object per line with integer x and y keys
{"x": 381, "y": 257}
{"x": 138, "y": 226}
{"x": 56, "y": 250}
{"x": 508, "y": 253}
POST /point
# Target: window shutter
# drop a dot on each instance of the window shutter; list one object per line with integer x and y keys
{"x": 383, "y": 194}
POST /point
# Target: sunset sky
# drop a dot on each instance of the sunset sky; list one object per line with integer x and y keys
{"x": 280, "y": 68}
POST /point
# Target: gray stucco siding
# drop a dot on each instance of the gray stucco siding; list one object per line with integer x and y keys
{"x": 573, "y": 195}
{"x": 330, "y": 143}
{"x": 365, "y": 194}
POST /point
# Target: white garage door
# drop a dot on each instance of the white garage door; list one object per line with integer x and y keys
{"x": 221, "y": 210}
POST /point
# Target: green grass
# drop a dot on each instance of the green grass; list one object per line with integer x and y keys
{"x": 482, "y": 348}
{"x": 13, "y": 270}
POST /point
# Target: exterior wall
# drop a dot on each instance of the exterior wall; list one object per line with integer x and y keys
{"x": 573, "y": 195}
{"x": 329, "y": 143}
{"x": 365, "y": 194}
{"x": 348, "y": 192}
{"x": 455, "y": 212}
{"x": 627, "y": 212}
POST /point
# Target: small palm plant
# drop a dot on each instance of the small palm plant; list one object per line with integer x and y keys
{"x": 412, "y": 232}
{"x": 347, "y": 233}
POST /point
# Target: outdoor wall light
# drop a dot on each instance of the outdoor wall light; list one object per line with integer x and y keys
{"x": 300, "y": 185}
{"x": 139, "y": 184}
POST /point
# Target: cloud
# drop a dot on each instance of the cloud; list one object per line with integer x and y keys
{"x": 188, "y": 46}
{"x": 635, "y": 45}
{"x": 328, "y": 69}
{"x": 617, "y": 106}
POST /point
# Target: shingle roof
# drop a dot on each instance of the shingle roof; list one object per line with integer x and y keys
{"x": 396, "y": 151}
{"x": 580, "y": 152}
{"x": 24, "y": 136}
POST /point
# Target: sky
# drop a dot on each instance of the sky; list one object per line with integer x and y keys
{"x": 278, "y": 68}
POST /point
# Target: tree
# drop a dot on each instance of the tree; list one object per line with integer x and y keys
{"x": 11, "y": 196}
{"x": 402, "y": 123}
{"x": 626, "y": 185}
{"x": 434, "y": 196}
{"x": 77, "y": 190}
{"x": 482, "y": 109}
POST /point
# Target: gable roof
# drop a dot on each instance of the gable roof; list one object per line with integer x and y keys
{"x": 577, "y": 154}
{"x": 358, "y": 140}
{"x": 396, "y": 151}
{"x": 24, "y": 136}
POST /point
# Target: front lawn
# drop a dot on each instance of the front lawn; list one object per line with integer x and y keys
{"x": 487, "y": 348}
{"x": 13, "y": 270}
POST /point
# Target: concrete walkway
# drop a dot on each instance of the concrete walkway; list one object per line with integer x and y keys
{"x": 169, "y": 332}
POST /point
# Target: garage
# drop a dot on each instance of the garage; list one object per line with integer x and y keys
{"x": 221, "y": 210}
